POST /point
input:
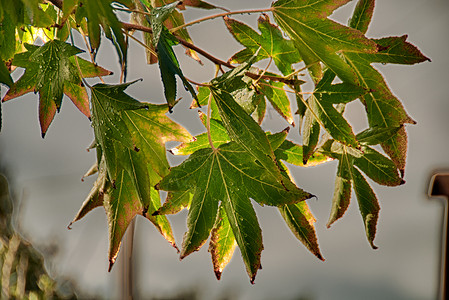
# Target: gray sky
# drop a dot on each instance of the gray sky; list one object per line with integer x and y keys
{"x": 405, "y": 265}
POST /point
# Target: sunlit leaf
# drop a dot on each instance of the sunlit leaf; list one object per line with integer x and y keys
{"x": 229, "y": 175}
{"x": 51, "y": 71}
{"x": 301, "y": 222}
{"x": 318, "y": 38}
{"x": 100, "y": 15}
{"x": 363, "y": 13}
{"x": 222, "y": 242}
{"x": 271, "y": 42}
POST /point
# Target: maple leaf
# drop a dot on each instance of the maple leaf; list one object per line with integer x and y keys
{"x": 271, "y": 42}
{"x": 131, "y": 159}
{"x": 376, "y": 166}
{"x": 164, "y": 41}
{"x": 99, "y": 13}
{"x": 229, "y": 175}
{"x": 383, "y": 108}
{"x": 321, "y": 111}
{"x": 51, "y": 71}
{"x": 318, "y": 38}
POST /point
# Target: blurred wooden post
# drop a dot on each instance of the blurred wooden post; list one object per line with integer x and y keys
{"x": 439, "y": 187}
{"x": 126, "y": 265}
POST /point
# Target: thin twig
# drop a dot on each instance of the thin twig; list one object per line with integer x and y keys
{"x": 133, "y": 10}
{"x": 240, "y": 12}
{"x": 140, "y": 42}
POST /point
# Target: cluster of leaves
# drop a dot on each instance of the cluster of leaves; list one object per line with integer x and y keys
{"x": 23, "y": 273}
{"x": 235, "y": 160}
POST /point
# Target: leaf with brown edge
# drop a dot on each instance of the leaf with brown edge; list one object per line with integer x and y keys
{"x": 96, "y": 194}
{"x": 363, "y": 13}
{"x": 368, "y": 205}
{"x": 342, "y": 190}
{"x": 317, "y": 38}
{"x": 121, "y": 206}
{"x": 51, "y": 71}
{"x": 130, "y": 139}
{"x": 384, "y": 110}
{"x": 151, "y": 129}
{"x": 270, "y": 43}
{"x": 230, "y": 175}
{"x": 222, "y": 243}
{"x": 300, "y": 220}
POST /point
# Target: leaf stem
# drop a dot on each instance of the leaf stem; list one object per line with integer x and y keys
{"x": 209, "y": 102}
{"x": 140, "y": 43}
{"x": 239, "y": 12}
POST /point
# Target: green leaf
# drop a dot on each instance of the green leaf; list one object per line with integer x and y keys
{"x": 96, "y": 195}
{"x": 219, "y": 137}
{"x": 151, "y": 129}
{"x": 363, "y": 13}
{"x": 310, "y": 134}
{"x": 176, "y": 19}
{"x": 342, "y": 189}
{"x": 5, "y": 77}
{"x": 300, "y": 221}
{"x": 7, "y": 37}
{"x": 378, "y": 167}
{"x": 108, "y": 102}
{"x": 384, "y": 110}
{"x": 271, "y": 42}
{"x": 99, "y": 13}
{"x": 175, "y": 202}
{"x": 368, "y": 205}
{"x": 169, "y": 67}
{"x": 158, "y": 16}
{"x": 275, "y": 93}
{"x": 376, "y": 135}
{"x": 337, "y": 93}
{"x": 318, "y": 38}
{"x": 121, "y": 207}
{"x": 293, "y": 154}
{"x": 222, "y": 242}
{"x": 130, "y": 138}
{"x": 229, "y": 175}
{"x": 395, "y": 50}
{"x": 331, "y": 120}
{"x": 50, "y": 71}
{"x": 243, "y": 129}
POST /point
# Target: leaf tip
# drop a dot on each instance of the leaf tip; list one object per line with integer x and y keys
{"x": 217, "y": 274}
{"x": 111, "y": 263}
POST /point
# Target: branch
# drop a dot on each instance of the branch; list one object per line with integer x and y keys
{"x": 217, "y": 61}
{"x": 57, "y": 3}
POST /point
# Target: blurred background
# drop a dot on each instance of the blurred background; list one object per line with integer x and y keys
{"x": 48, "y": 191}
